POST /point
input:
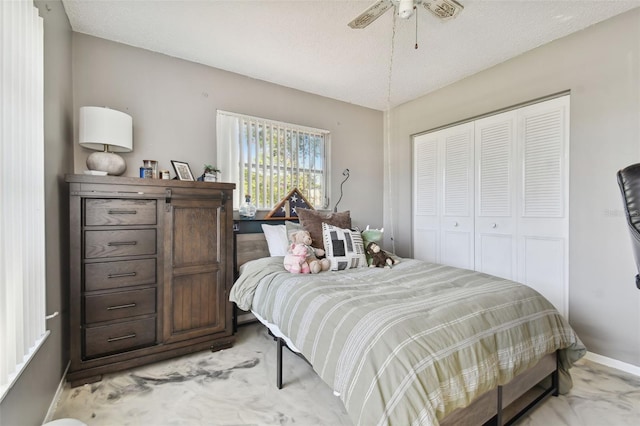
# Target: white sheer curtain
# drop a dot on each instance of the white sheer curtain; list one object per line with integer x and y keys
{"x": 228, "y": 143}
{"x": 22, "y": 257}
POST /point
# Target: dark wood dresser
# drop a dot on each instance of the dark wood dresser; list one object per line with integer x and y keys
{"x": 151, "y": 265}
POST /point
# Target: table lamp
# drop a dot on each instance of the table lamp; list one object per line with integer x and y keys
{"x": 108, "y": 131}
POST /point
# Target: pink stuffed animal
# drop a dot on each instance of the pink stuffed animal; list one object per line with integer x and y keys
{"x": 296, "y": 260}
{"x": 315, "y": 265}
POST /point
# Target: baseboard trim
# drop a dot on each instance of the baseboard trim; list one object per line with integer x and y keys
{"x": 56, "y": 397}
{"x": 613, "y": 363}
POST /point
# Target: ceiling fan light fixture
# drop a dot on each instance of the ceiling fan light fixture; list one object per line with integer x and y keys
{"x": 405, "y": 9}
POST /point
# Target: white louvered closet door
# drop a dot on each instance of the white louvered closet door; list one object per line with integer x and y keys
{"x": 426, "y": 181}
{"x": 514, "y": 223}
{"x": 495, "y": 227}
{"x": 542, "y": 205}
{"x": 443, "y": 212}
{"x": 457, "y": 219}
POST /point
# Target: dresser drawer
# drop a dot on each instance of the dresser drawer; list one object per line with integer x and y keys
{"x": 119, "y": 337}
{"x": 119, "y": 212}
{"x": 119, "y": 243}
{"x": 107, "y": 275}
{"x": 119, "y": 305}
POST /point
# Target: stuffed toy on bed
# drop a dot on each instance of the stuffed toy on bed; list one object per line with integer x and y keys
{"x": 312, "y": 254}
{"x": 379, "y": 259}
{"x": 371, "y": 236}
{"x": 296, "y": 260}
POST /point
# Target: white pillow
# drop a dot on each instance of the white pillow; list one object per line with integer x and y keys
{"x": 277, "y": 240}
{"x": 344, "y": 248}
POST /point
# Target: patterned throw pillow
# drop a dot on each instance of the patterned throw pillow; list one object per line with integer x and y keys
{"x": 343, "y": 247}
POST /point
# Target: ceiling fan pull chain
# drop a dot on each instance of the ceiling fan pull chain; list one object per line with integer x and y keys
{"x": 416, "y": 10}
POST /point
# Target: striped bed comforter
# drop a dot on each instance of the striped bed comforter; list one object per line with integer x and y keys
{"x": 408, "y": 345}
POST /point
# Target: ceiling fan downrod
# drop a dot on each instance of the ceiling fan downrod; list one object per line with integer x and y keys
{"x": 416, "y": 9}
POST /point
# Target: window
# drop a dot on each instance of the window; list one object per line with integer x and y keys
{"x": 22, "y": 257}
{"x": 266, "y": 159}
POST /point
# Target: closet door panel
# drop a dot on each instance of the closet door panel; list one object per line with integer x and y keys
{"x": 544, "y": 266}
{"x": 426, "y": 181}
{"x": 543, "y": 220}
{"x": 426, "y": 244}
{"x": 457, "y": 249}
{"x": 495, "y": 254}
{"x": 457, "y": 223}
{"x": 495, "y": 248}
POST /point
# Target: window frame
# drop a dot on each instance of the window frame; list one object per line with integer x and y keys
{"x": 237, "y": 133}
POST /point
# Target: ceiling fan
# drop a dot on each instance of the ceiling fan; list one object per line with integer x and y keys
{"x": 443, "y": 9}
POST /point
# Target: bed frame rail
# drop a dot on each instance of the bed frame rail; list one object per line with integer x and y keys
{"x": 502, "y": 406}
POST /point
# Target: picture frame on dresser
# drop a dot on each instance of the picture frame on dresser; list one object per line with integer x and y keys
{"x": 183, "y": 171}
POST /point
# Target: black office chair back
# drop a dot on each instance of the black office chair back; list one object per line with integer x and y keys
{"x": 629, "y": 182}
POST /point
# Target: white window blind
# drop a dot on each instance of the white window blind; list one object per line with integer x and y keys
{"x": 266, "y": 159}
{"x": 22, "y": 256}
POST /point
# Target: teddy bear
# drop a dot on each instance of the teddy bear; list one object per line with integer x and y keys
{"x": 296, "y": 260}
{"x": 315, "y": 264}
{"x": 378, "y": 257}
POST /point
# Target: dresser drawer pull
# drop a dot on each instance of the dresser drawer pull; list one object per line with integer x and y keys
{"x": 126, "y": 274}
{"x": 122, "y": 243}
{"x": 115, "y": 339}
{"x": 123, "y": 212}
{"x": 128, "y": 305}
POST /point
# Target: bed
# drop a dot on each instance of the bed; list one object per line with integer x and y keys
{"x": 419, "y": 343}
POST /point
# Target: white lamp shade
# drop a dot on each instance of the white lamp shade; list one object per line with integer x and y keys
{"x": 103, "y": 126}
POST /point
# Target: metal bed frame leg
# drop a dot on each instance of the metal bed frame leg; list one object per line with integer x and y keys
{"x": 279, "y": 373}
{"x": 555, "y": 376}
{"x": 499, "y": 421}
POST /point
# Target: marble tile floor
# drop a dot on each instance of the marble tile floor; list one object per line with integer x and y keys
{"x": 236, "y": 386}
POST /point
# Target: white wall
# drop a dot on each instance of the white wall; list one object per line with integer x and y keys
{"x": 601, "y": 67}
{"x": 173, "y": 103}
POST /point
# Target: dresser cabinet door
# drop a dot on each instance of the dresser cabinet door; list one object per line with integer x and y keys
{"x": 195, "y": 258}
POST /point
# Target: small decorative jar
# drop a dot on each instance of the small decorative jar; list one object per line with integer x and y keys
{"x": 247, "y": 209}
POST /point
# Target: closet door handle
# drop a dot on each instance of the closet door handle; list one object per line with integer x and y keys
{"x": 455, "y": 224}
{"x": 494, "y": 225}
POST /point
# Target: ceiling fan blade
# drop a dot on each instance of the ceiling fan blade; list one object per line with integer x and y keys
{"x": 443, "y": 9}
{"x": 371, "y": 14}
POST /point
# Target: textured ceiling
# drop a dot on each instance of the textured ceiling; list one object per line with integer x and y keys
{"x": 307, "y": 45}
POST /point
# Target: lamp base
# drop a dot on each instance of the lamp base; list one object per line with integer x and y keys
{"x": 108, "y": 162}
